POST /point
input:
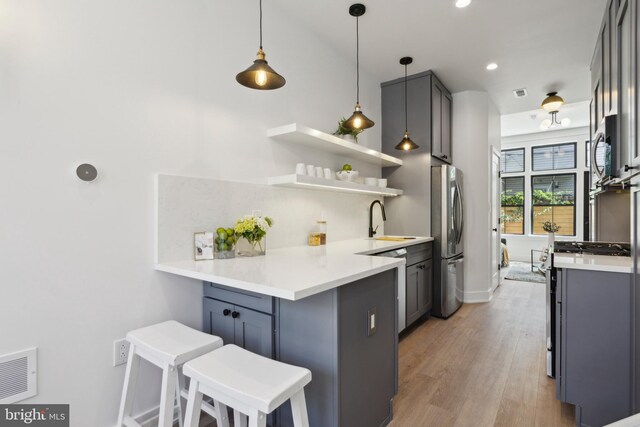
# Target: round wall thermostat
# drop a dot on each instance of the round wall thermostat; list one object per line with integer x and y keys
{"x": 87, "y": 172}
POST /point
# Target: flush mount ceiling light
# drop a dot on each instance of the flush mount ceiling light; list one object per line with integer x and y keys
{"x": 462, "y": 3}
{"x": 552, "y": 104}
{"x": 406, "y": 144}
{"x": 357, "y": 121}
{"x": 492, "y": 66}
{"x": 260, "y": 75}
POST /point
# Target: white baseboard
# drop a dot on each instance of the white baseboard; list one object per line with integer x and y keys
{"x": 476, "y": 297}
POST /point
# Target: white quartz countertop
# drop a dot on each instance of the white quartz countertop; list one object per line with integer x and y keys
{"x": 615, "y": 264}
{"x": 296, "y": 272}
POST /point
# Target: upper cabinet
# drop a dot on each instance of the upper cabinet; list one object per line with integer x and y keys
{"x": 429, "y": 109}
{"x": 614, "y": 77}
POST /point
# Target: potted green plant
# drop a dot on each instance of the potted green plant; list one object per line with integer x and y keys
{"x": 342, "y": 131}
{"x": 251, "y": 232}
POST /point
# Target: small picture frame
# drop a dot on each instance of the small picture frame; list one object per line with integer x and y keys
{"x": 203, "y": 246}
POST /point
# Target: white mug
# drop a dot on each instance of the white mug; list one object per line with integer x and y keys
{"x": 319, "y": 171}
{"x": 311, "y": 170}
{"x": 382, "y": 182}
{"x": 328, "y": 173}
{"x": 371, "y": 181}
{"x": 301, "y": 169}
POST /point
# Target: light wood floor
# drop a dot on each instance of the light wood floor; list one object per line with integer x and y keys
{"x": 484, "y": 366}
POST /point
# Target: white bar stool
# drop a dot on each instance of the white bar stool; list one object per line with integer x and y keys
{"x": 251, "y": 384}
{"x": 167, "y": 345}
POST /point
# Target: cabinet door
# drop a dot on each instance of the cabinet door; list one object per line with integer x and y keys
{"x": 254, "y": 331}
{"x": 218, "y": 320}
{"x": 625, "y": 131}
{"x": 425, "y": 291}
{"x": 436, "y": 119}
{"x": 446, "y": 127}
{"x": 612, "y": 107}
{"x": 634, "y": 151}
{"x": 413, "y": 284}
{"x": 606, "y": 65}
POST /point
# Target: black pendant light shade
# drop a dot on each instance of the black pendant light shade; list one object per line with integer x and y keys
{"x": 406, "y": 144}
{"x": 260, "y": 75}
{"x": 358, "y": 121}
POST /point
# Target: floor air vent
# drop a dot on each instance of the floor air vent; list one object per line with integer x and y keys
{"x": 18, "y": 373}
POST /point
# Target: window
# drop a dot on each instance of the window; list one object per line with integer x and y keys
{"x": 512, "y": 205}
{"x": 553, "y": 199}
{"x": 554, "y": 157}
{"x": 587, "y": 154}
{"x": 512, "y": 160}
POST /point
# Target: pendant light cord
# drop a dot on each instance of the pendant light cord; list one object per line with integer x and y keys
{"x": 260, "y": 24}
{"x": 406, "y": 121}
{"x": 357, "y": 61}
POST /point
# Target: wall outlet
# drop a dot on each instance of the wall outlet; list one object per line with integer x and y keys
{"x": 120, "y": 352}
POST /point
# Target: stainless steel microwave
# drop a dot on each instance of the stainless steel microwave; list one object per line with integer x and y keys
{"x": 603, "y": 153}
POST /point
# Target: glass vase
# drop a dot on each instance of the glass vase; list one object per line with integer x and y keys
{"x": 246, "y": 248}
{"x": 224, "y": 246}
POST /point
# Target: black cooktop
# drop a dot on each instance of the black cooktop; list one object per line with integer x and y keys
{"x": 593, "y": 248}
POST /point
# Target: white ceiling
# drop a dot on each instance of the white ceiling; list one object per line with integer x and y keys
{"x": 542, "y": 45}
{"x": 529, "y": 121}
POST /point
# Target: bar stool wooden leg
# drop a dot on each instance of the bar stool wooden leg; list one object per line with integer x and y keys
{"x": 194, "y": 403}
{"x": 167, "y": 395}
{"x": 299, "y": 409}
{"x": 257, "y": 419}
{"x": 222, "y": 414}
{"x": 130, "y": 377}
{"x": 180, "y": 385}
{"x": 239, "y": 419}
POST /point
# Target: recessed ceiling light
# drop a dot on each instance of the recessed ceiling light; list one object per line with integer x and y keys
{"x": 492, "y": 66}
{"x": 462, "y": 3}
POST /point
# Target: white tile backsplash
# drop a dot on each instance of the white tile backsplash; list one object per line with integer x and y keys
{"x": 186, "y": 205}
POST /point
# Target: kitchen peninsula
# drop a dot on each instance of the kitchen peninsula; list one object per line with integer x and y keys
{"x": 332, "y": 309}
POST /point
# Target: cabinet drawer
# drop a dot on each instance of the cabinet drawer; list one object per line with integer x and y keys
{"x": 419, "y": 253}
{"x": 263, "y": 303}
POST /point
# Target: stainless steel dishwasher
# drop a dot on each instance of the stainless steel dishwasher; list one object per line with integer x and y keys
{"x": 402, "y": 286}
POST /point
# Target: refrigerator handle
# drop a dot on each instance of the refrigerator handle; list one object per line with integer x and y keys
{"x": 461, "y": 227}
{"x": 456, "y": 220}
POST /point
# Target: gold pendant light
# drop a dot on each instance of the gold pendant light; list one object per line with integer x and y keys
{"x": 406, "y": 144}
{"x": 260, "y": 75}
{"x": 358, "y": 121}
{"x": 552, "y": 102}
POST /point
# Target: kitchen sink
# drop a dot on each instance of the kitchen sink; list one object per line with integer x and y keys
{"x": 394, "y": 238}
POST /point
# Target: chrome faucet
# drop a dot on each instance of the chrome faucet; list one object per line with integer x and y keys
{"x": 372, "y": 232}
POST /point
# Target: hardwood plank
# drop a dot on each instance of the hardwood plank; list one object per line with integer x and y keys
{"x": 484, "y": 366}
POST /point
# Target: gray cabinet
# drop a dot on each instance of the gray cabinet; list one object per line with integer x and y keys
{"x": 243, "y": 326}
{"x": 419, "y": 290}
{"x": 353, "y": 366}
{"x": 429, "y": 112}
{"x": 440, "y": 121}
{"x": 593, "y": 344}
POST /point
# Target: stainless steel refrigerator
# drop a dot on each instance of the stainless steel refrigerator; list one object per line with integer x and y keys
{"x": 447, "y": 227}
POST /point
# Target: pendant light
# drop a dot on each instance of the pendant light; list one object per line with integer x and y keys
{"x": 552, "y": 102}
{"x": 406, "y": 144}
{"x": 260, "y": 75}
{"x": 357, "y": 121}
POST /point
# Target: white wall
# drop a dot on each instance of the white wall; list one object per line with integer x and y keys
{"x": 520, "y": 245}
{"x": 135, "y": 88}
{"x": 476, "y": 127}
